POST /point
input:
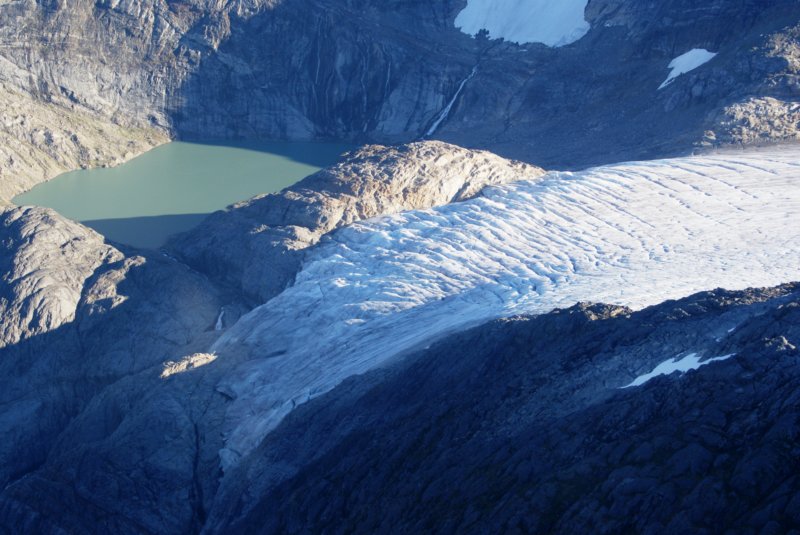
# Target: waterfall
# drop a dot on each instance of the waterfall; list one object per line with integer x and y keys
{"x": 446, "y": 111}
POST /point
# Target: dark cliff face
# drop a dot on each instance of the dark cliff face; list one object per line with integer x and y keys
{"x": 329, "y": 69}
{"x": 367, "y": 71}
{"x": 522, "y": 426}
{"x": 375, "y": 73}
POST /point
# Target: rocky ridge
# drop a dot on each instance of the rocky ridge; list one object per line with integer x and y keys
{"x": 46, "y": 262}
{"x": 88, "y": 326}
{"x": 116, "y": 416}
{"x": 257, "y": 246}
{"x": 77, "y": 315}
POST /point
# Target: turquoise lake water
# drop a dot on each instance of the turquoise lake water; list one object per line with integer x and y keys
{"x": 173, "y": 187}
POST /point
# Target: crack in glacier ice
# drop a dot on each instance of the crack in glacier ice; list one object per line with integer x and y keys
{"x": 634, "y": 233}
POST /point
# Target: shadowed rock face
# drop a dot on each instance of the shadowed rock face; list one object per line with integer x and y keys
{"x": 95, "y": 339}
{"x": 521, "y": 426}
{"x": 383, "y": 72}
{"x": 113, "y": 415}
{"x": 517, "y": 424}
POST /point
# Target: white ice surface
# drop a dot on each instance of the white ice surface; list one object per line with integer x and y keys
{"x": 552, "y": 22}
{"x": 634, "y": 234}
{"x": 682, "y": 365}
{"x": 687, "y": 62}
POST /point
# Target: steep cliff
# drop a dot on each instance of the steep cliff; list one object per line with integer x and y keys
{"x": 257, "y": 246}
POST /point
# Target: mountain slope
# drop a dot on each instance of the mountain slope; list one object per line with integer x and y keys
{"x": 304, "y": 69}
{"x": 257, "y": 246}
{"x": 520, "y": 425}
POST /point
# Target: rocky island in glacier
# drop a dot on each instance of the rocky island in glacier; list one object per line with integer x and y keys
{"x": 550, "y": 284}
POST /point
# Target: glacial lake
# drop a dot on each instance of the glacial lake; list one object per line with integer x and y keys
{"x": 171, "y": 188}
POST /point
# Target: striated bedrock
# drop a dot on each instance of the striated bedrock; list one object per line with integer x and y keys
{"x": 39, "y": 140}
{"x": 257, "y": 246}
{"x": 386, "y": 72}
{"x": 78, "y": 315}
{"x": 522, "y": 425}
{"x": 45, "y": 263}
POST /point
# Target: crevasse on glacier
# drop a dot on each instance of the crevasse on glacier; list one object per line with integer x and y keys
{"x": 633, "y": 234}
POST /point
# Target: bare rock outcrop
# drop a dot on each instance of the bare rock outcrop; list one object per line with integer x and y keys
{"x": 45, "y": 263}
{"x": 39, "y": 140}
{"x": 76, "y": 315}
{"x": 257, "y": 246}
{"x": 116, "y": 415}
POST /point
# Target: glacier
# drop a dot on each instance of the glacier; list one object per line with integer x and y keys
{"x": 526, "y": 21}
{"x": 634, "y": 233}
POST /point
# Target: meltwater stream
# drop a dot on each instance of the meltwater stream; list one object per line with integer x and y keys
{"x": 173, "y": 187}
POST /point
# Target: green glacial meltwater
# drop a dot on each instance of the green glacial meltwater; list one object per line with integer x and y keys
{"x": 173, "y": 187}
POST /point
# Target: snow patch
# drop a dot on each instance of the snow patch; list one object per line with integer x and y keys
{"x": 687, "y": 62}
{"x": 682, "y": 365}
{"x": 552, "y": 22}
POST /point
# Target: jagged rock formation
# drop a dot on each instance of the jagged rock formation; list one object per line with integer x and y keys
{"x": 300, "y": 69}
{"x": 257, "y": 246}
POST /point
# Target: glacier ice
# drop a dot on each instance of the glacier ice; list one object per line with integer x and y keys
{"x": 634, "y": 233}
{"x": 526, "y": 21}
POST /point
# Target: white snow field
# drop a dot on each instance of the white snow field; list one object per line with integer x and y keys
{"x": 633, "y": 233}
{"x": 687, "y": 62}
{"x": 554, "y": 23}
{"x": 681, "y": 365}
